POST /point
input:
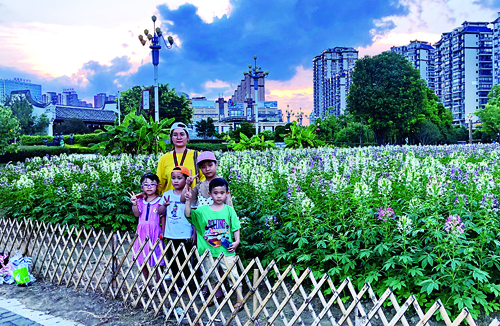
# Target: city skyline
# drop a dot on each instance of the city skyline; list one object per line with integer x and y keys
{"x": 97, "y": 51}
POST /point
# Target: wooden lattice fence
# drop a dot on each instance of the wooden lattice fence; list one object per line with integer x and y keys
{"x": 106, "y": 263}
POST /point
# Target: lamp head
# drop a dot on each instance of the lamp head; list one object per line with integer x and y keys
{"x": 143, "y": 42}
{"x": 150, "y": 36}
{"x": 170, "y": 40}
{"x": 141, "y": 37}
{"x": 153, "y": 18}
{"x": 266, "y": 72}
{"x": 245, "y": 72}
{"x": 146, "y": 32}
{"x": 255, "y": 57}
{"x": 158, "y": 30}
{"x": 249, "y": 66}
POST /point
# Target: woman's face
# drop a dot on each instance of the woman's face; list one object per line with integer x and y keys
{"x": 179, "y": 138}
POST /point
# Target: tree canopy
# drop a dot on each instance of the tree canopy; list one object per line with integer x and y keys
{"x": 23, "y": 111}
{"x": 387, "y": 93}
{"x": 205, "y": 128}
{"x": 9, "y": 130}
{"x": 490, "y": 114}
{"x": 172, "y": 105}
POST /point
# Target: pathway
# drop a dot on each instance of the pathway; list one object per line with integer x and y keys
{"x": 13, "y": 312}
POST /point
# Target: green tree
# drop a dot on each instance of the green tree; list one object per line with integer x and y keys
{"x": 427, "y": 132}
{"x": 9, "y": 130}
{"x": 205, "y": 128}
{"x": 73, "y": 125}
{"x": 246, "y": 128}
{"x": 490, "y": 114}
{"x": 387, "y": 93}
{"x": 23, "y": 111}
{"x": 172, "y": 105}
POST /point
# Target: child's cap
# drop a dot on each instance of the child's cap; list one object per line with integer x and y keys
{"x": 206, "y": 156}
{"x": 181, "y": 169}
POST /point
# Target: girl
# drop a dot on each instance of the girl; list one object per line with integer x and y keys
{"x": 145, "y": 206}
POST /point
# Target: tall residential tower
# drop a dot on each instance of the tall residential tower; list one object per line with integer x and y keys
{"x": 464, "y": 69}
{"x": 332, "y": 76}
{"x": 421, "y": 56}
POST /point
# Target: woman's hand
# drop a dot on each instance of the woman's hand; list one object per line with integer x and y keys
{"x": 193, "y": 236}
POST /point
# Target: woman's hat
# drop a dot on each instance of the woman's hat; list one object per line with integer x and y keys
{"x": 179, "y": 125}
{"x": 181, "y": 169}
{"x": 206, "y": 156}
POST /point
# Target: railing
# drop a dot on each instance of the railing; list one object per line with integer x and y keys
{"x": 106, "y": 263}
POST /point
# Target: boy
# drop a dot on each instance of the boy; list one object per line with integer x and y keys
{"x": 175, "y": 226}
{"x": 218, "y": 228}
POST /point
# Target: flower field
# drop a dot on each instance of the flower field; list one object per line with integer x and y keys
{"x": 422, "y": 220}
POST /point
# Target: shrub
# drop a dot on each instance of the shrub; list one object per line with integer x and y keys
{"x": 208, "y": 147}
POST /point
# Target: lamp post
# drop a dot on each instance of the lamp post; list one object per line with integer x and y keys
{"x": 470, "y": 128}
{"x": 256, "y": 72}
{"x": 155, "y": 47}
{"x": 119, "y": 112}
{"x": 300, "y": 115}
{"x": 288, "y": 113}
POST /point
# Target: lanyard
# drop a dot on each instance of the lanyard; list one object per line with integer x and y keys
{"x": 182, "y": 160}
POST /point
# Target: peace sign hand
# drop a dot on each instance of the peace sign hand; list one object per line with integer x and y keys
{"x": 133, "y": 198}
{"x": 166, "y": 201}
{"x": 188, "y": 195}
{"x": 191, "y": 178}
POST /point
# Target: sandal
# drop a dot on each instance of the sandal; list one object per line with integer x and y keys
{"x": 238, "y": 306}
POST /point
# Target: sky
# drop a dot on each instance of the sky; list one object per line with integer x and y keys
{"x": 93, "y": 47}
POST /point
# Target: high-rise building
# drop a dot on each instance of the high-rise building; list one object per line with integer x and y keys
{"x": 51, "y": 97}
{"x": 496, "y": 51}
{"x": 332, "y": 77}
{"x": 111, "y": 98}
{"x": 7, "y": 86}
{"x": 99, "y": 100}
{"x": 421, "y": 56}
{"x": 464, "y": 69}
{"x": 246, "y": 90}
{"x": 69, "y": 97}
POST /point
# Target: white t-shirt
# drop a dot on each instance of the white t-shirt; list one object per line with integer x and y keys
{"x": 176, "y": 226}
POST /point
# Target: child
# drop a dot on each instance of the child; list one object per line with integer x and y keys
{"x": 175, "y": 226}
{"x": 208, "y": 165}
{"x": 145, "y": 206}
{"x": 218, "y": 228}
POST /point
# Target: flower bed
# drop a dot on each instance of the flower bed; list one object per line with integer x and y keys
{"x": 422, "y": 220}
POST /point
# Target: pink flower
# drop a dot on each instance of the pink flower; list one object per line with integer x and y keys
{"x": 384, "y": 213}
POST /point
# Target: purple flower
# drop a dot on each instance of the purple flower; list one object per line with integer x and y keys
{"x": 384, "y": 213}
{"x": 454, "y": 224}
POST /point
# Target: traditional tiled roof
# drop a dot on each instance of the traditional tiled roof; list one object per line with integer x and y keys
{"x": 85, "y": 114}
{"x": 30, "y": 99}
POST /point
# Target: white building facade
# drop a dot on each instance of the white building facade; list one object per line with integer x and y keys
{"x": 421, "y": 56}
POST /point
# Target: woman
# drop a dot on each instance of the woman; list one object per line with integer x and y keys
{"x": 180, "y": 156}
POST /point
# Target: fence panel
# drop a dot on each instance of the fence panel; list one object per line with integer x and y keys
{"x": 109, "y": 263}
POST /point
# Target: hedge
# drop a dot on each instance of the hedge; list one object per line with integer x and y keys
{"x": 208, "y": 147}
{"x": 41, "y": 151}
{"x": 83, "y": 140}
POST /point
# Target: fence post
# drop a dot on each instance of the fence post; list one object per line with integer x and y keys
{"x": 114, "y": 264}
{"x": 255, "y": 284}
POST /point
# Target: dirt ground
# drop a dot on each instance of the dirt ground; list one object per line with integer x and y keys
{"x": 84, "y": 307}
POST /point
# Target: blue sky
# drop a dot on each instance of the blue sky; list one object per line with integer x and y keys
{"x": 92, "y": 46}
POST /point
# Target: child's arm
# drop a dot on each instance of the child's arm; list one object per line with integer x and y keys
{"x": 163, "y": 206}
{"x": 163, "y": 220}
{"x": 133, "y": 200}
{"x": 236, "y": 242}
{"x": 187, "y": 207}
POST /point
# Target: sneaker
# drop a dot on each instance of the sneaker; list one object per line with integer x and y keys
{"x": 168, "y": 277}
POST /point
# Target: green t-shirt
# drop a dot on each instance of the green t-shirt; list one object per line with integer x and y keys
{"x": 212, "y": 227}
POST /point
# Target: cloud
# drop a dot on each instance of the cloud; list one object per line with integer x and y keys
{"x": 426, "y": 20}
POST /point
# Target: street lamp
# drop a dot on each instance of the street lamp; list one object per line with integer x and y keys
{"x": 155, "y": 47}
{"x": 256, "y": 72}
{"x": 300, "y": 115}
{"x": 288, "y": 113}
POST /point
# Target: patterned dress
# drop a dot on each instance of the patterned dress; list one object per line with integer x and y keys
{"x": 149, "y": 225}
